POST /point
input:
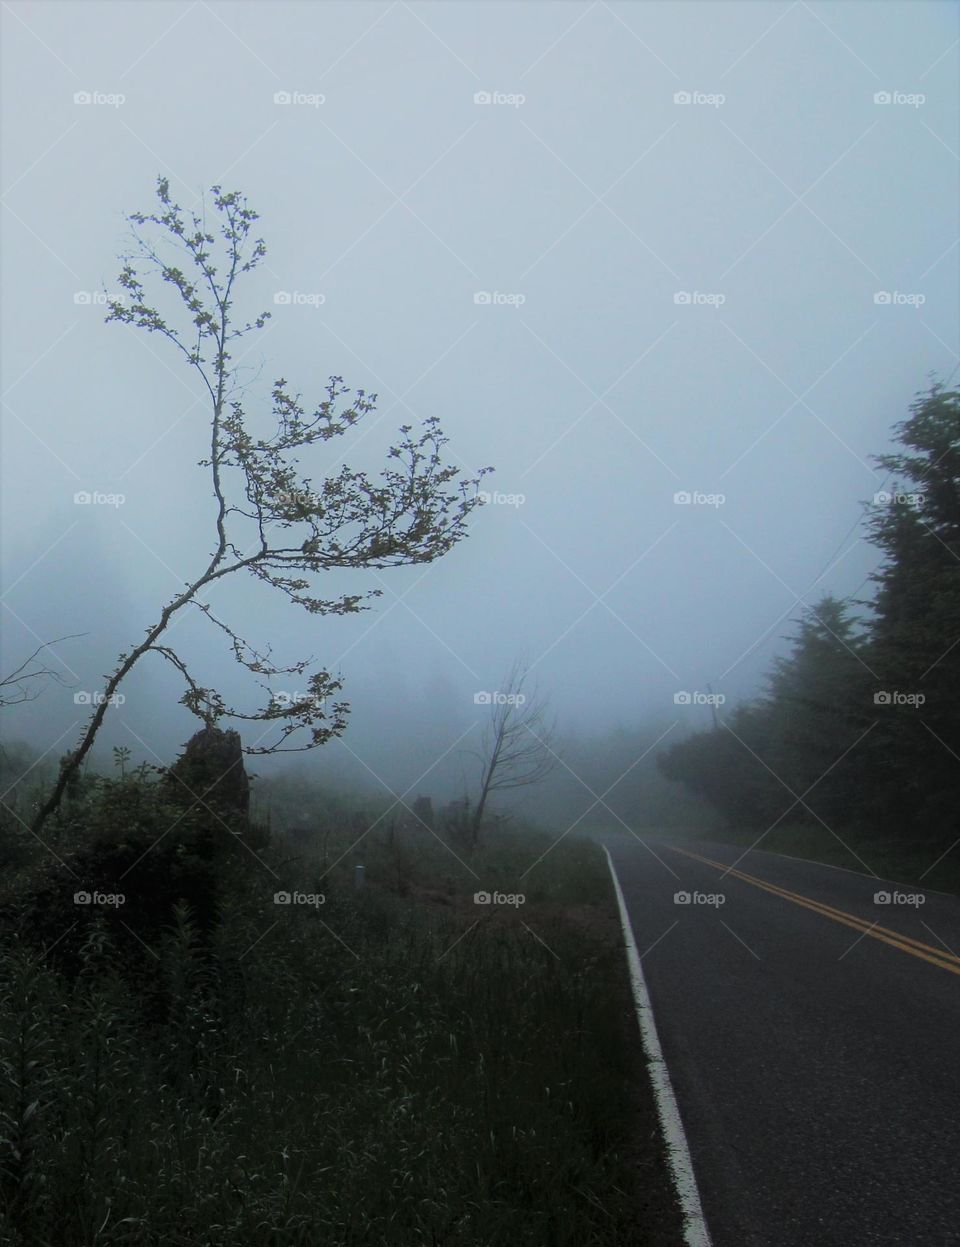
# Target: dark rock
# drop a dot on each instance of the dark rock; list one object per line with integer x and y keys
{"x": 209, "y": 777}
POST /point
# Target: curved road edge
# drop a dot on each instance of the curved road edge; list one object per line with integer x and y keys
{"x": 695, "y": 1230}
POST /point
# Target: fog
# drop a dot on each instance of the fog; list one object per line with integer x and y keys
{"x": 623, "y": 252}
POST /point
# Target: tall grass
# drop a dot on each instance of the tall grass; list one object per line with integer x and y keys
{"x": 372, "y": 1070}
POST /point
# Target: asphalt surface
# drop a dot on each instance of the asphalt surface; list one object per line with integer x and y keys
{"x": 816, "y": 1067}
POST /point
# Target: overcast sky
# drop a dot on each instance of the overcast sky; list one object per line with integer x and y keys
{"x": 622, "y": 250}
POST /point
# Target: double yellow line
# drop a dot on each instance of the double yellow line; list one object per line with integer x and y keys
{"x": 906, "y": 943}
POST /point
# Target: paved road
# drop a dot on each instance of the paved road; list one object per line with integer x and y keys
{"x": 816, "y": 1066}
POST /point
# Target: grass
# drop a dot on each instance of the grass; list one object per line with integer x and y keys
{"x": 395, "y": 1065}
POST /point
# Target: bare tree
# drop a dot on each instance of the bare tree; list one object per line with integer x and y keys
{"x": 269, "y": 520}
{"x": 16, "y": 688}
{"x": 517, "y": 749}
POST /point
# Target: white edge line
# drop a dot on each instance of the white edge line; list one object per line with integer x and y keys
{"x": 695, "y": 1232}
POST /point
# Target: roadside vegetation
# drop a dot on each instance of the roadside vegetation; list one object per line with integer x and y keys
{"x": 393, "y": 1063}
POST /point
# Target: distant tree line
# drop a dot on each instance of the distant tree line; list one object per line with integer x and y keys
{"x": 858, "y": 727}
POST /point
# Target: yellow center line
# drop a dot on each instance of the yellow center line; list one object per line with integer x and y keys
{"x": 906, "y": 943}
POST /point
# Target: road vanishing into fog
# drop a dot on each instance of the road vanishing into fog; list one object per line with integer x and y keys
{"x": 813, "y": 1039}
